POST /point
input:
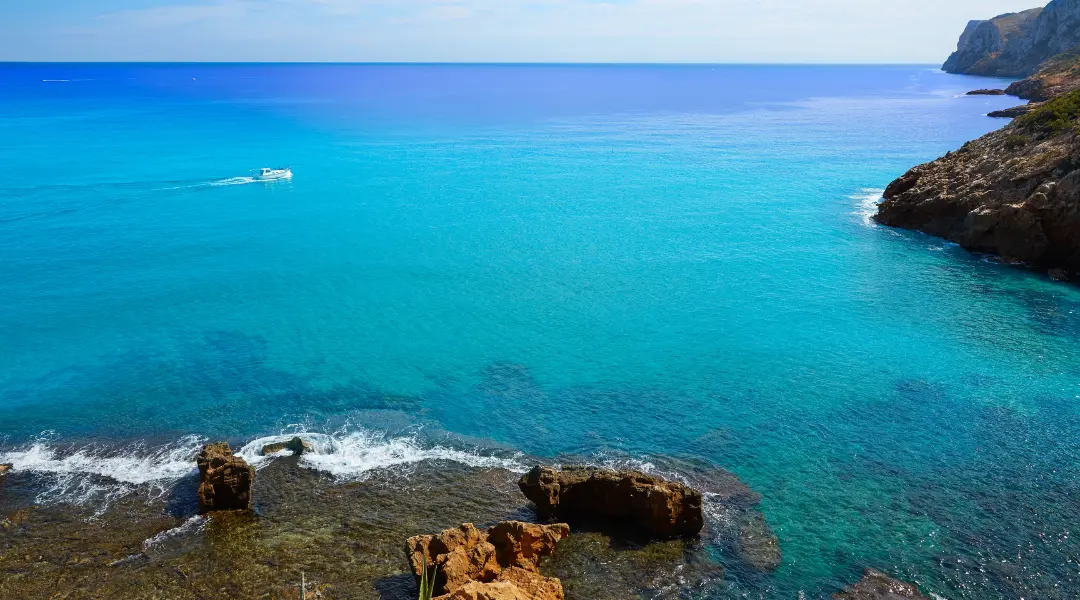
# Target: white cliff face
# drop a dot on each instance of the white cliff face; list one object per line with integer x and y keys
{"x": 1015, "y": 44}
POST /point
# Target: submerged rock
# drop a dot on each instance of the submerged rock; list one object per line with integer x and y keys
{"x": 758, "y": 545}
{"x": 1060, "y": 275}
{"x": 657, "y": 506}
{"x": 296, "y": 445}
{"x": 4, "y": 468}
{"x": 876, "y": 585}
{"x": 465, "y": 559}
{"x": 224, "y": 479}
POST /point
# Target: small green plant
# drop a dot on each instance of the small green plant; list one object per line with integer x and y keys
{"x": 427, "y": 584}
{"x": 1056, "y": 116}
{"x": 1015, "y": 141}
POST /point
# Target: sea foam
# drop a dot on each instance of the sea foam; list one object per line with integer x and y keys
{"x": 355, "y": 454}
{"x": 96, "y": 476}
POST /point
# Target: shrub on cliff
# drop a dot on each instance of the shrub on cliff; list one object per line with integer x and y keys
{"x": 1056, "y": 116}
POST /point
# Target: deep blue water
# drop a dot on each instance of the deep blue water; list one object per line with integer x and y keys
{"x": 590, "y": 260}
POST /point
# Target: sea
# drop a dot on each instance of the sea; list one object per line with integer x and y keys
{"x": 497, "y": 265}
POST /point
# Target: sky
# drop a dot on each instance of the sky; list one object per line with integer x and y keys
{"x": 741, "y": 31}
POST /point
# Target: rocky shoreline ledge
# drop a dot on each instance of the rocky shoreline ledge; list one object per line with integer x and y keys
{"x": 1015, "y": 192}
{"x": 232, "y": 532}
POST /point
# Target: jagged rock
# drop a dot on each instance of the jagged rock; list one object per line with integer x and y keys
{"x": 986, "y": 93}
{"x": 659, "y": 507}
{"x": 512, "y": 584}
{"x": 1016, "y": 111}
{"x": 224, "y": 479}
{"x": 758, "y": 545}
{"x": 1014, "y": 192}
{"x": 296, "y": 445}
{"x": 522, "y": 545}
{"x": 876, "y": 585}
{"x": 4, "y": 468}
{"x": 1016, "y": 44}
{"x": 998, "y": 46}
{"x": 466, "y": 554}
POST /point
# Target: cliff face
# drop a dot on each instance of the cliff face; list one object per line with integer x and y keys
{"x": 1016, "y": 44}
{"x": 998, "y": 46}
{"x": 1014, "y": 192}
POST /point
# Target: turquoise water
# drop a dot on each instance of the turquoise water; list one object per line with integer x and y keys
{"x": 608, "y": 261}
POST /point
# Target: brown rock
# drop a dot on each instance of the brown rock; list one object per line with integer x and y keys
{"x": 466, "y": 554}
{"x": 4, "y": 468}
{"x": 876, "y": 585}
{"x": 986, "y": 93}
{"x": 224, "y": 480}
{"x": 296, "y": 445}
{"x": 512, "y": 584}
{"x": 1016, "y": 111}
{"x": 522, "y": 545}
{"x": 659, "y": 507}
{"x": 1014, "y": 192}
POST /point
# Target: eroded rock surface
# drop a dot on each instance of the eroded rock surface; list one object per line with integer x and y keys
{"x": 657, "y": 506}
{"x": 296, "y": 445}
{"x": 4, "y": 468}
{"x": 225, "y": 480}
{"x": 1014, "y": 192}
{"x": 466, "y": 560}
{"x": 876, "y": 585}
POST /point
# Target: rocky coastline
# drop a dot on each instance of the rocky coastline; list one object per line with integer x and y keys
{"x": 233, "y": 532}
{"x": 1014, "y": 193}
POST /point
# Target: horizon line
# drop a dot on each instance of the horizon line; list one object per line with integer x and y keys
{"x": 463, "y": 63}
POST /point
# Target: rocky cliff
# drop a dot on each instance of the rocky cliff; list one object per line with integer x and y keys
{"x": 1014, "y": 192}
{"x": 1016, "y": 44}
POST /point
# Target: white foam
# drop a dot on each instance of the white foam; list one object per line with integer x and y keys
{"x": 193, "y": 525}
{"x": 867, "y": 205}
{"x": 354, "y": 455}
{"x": 96, "y": 475}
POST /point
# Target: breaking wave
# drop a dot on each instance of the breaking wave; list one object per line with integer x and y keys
{"x": 354, "y": 455}
{"x": 867, "y": 200}
{"x": 97, "y": 475}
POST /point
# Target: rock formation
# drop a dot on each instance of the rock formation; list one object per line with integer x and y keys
{"x": 659, "y": 507}
{"x": 1014, "y": 192}
{"x": 986, "y": 93}
{"x": 998, "y": 46}
{"x": 1016, "y": 111}
{"x": 876, "y": 585}
{"x": 1016, "y": 44}
{"x": 501, "y": 563}
{"x": 4, "y": 468}
{"x": 1058, "y": 75}
{"x": 296, "y": 445}
{"x": 224, "y": 479}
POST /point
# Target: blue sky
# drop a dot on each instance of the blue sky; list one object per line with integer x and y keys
{"x": 919, "y": 31}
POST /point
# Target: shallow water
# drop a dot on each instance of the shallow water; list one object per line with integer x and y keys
{"x": 473, "y": 262}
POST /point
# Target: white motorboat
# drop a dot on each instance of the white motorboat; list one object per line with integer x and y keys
{"x": 267, "y": 174}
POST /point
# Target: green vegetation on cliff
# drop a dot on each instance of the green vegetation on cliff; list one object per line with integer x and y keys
{"x": 1056, "y": 116}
